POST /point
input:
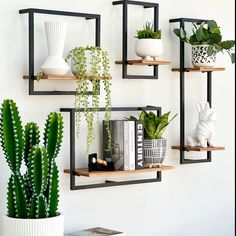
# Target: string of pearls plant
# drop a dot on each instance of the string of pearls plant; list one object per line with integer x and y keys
{"x": 90, "y": 64}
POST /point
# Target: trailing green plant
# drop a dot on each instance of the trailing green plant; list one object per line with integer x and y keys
{"x": 35, "y": 193}
{"x": 208, "y": 34}
{"x": 100, "y": 67}
{"x": 148, "y": 32}
{"x": 154, "y": 126}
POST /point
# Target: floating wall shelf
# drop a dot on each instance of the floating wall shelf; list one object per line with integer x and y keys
{"x": 182, "y": 69}
{"x": 80, "y": 172}
{"x": 31, "y": 13}
{"x": 71, "y": 77}
{"x": 125, "y": 62}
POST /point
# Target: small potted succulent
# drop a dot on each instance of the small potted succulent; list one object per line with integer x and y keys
{"x": 154, "y": 143}
{"x": 33, "y": 195}
{"x": 149, "y": 43}
{"x": 91, "y": 65}
{"x": 206, "y": 41}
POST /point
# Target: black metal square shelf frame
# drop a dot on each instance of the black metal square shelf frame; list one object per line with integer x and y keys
{"x": 107, "y": 183}
{"x": 182, "y": 72}
{"x": 125, "y": 4}
{"x": 31, "y": 13}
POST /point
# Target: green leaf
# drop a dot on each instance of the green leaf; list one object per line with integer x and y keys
{"x": 233, "y": 58}
{"x": 215, "y": 38}
{"x": 182, "y": 33}
{"x": 228, "y": 44}
{"x": 53, "y": 191}
{"x": 41, "y": 211}
{"x": 177, "y": 32}
{"x": 210, "y": 50}
{"x": 200, "y": 34}
{"x": 212, "y": 24}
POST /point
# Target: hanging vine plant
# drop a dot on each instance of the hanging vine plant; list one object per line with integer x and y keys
{"x": 91, "y": 65}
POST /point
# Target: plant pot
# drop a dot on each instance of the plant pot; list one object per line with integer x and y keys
{"x": 53, "y": 226}
{"x": 200, "y": 57}
{"x": 88, "y": 64}
{"x": 55, "y": 64}
{"x": 154, "y": 152}
{"x": 149, "y": 49}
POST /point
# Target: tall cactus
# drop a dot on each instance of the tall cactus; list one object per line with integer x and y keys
{"x": 34, "y": 194}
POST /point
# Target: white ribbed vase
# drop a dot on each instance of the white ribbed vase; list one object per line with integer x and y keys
{"x": 56, "y": 34}
{"x": 53, "y": 226}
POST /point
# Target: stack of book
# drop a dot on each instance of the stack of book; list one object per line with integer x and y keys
{"x": 96, "y": 232}
{"x": 126, "y": 144}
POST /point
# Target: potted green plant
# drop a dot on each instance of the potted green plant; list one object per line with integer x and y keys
{"x": 154, "y": 143}
{"x": 90, "y": 66}
{"x": 33, "y": 195}
{"x": 149, "y": 43}
{"x": 206, "y": 41}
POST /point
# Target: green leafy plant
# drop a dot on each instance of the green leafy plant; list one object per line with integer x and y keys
{"x": 100, "y": 67}
{"x": 208, "y": 34}
{"x": 154, "y": 126}
{"x": 148, "y": 32}
{"x": 35, "y": 193}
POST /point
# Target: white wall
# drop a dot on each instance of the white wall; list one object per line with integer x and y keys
{"x": 191, "y": 200}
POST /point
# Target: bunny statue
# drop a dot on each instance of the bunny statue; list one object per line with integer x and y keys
{"x": 203, "y": 134}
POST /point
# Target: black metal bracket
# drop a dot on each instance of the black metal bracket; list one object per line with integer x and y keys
{"x": 107, "y": 183}
{"x": 182, "y": 22}
{"x": 31, "y": 13}
{"x": 125, "y": 4}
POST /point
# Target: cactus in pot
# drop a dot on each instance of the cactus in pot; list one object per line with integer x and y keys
{"x": 33, "y": 194}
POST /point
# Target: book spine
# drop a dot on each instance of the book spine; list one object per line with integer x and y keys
{"x": 131, "y": 145}
{"x": 126, "y": 145}
{"x": 139, "y": 139}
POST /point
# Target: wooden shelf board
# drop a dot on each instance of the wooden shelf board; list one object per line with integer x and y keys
{"x": 86, "y": 173}
{"x": 67, "y": 77}
{"x": 145, "y": 62}
{"x": 199, "y": 149}
{"x": 200, "y": 69}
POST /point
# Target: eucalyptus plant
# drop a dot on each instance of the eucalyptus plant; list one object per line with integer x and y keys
{"x": 208, "y": 34}
{"x": 33, "y": 194}
{"x": 99, "y": 63}
{"x": 148, "y": 32}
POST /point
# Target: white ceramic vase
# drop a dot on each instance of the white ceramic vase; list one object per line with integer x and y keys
{"x": 149, "y": 49}
{"x": 200, "y": 57}
{"x": 53, "y": 226}
{"x": 55, "y": 64}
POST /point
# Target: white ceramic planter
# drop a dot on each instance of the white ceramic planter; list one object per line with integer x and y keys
{"x": 200, "y": 57}
{"x": 149, "y": 49}
{"x": 53, "y": 226}
{"x": 55, "y": 63}
{"x": 154, "y": 152}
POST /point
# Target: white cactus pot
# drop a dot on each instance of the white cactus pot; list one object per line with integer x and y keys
{"x": 200, "y": 57}
{"x": 53, "y": 226}
{"x": 55, "y": 64}
{"x": 149, "y": 49}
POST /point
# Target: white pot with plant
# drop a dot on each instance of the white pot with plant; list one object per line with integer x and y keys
{"x": 32, "y": 198}
{"x": 91, "y": 66}
{"x": 149, "y": 44}
{"x": 206, "y": 42}
{"x": 55, "y": 64}
{"x": 155, "y": 144}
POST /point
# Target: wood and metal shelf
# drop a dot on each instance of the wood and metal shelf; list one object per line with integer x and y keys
{"x": 31, "y": 16}
{"x": 125, "y": 62}
{"x": 182, "y": 69}
{"x": 83, "y": 172}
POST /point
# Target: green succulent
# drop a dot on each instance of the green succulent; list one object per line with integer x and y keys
{"x": 154, "y": 126}
{"x": 208, "y": 34}
{"x": 33, "y": 194}
{"x": 148, "y": 32}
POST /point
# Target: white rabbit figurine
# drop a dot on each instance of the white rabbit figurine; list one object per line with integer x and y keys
{"x": 204, "y": 132}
